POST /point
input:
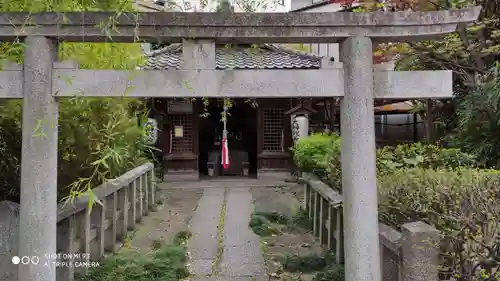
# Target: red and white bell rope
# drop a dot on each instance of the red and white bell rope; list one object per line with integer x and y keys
{"x": 225, "y": 148}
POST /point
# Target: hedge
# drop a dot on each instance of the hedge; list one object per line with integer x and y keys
{"x": 463, "y": 203}
{"x": 440, "y": 186}
{"x": 320, "y": 154}
{"x": 312, "y": 153}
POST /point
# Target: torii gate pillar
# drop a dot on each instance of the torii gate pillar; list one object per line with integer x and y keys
{"x": 38, "y": 214}
{"x": 359, "y": 179}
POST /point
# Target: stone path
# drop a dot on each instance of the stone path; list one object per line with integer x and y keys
{"x": 171, "y": 217}
{"x": 223, "y": 247}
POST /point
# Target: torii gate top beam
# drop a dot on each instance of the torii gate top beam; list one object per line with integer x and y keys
{"x": 234, "y": 27}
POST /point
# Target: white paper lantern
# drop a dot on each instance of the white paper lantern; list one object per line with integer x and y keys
{"x": 300, "y": 127}
{"x": 151, "y": 131}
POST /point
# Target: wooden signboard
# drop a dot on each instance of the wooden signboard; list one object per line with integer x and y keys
{"x": 180, "y": 106}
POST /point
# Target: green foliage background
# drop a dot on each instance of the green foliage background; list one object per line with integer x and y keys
{"x": 470, "y": 120}
{"x": 99, "y": 138}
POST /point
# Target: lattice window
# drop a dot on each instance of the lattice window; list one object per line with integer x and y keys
{"x": 273, "y": 129}
{"x": 184, "y": 143}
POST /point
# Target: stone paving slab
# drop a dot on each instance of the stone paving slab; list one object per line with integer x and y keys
{"x": 239, "y": 240}
{"x": 281, "y": 200}
{"x": 169, "y": 219}
{"x": 234, "y": 269}
{"x": 202, "y": 247}
{"x": 206, "y": 217}
{"x": 238, "y": 211}
{"x": 242, "y": 255}
{"x": 241, "y": 258}
{"x": 204, "y": 229}
{"x": 202, "y": 267}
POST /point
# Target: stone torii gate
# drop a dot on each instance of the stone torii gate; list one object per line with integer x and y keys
{"x": 42, "y": 80}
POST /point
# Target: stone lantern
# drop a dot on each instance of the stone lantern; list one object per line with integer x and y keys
{"x": 299, "y": 117}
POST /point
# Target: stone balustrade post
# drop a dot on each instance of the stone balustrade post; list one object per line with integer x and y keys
{"x": 84, "y": 219}
{"x": 98, "y": 222}
{"x": 132, "y": 215}
{"x": 66, "y": 240}
{"x": 139, "y": 184}
{"x": 307, "y": 197}
{"x": 339, "y": 236}
{"x": 123, "y": 202}
{"x": 420, "y": 252}
{"x": 145, "y": 189}
{"x": 152, "y": 190}
{"x": 112, "y": 234}
{"x": 323, "y": 233}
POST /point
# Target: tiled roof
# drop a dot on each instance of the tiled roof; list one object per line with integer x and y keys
{"x": 238, "y": 57}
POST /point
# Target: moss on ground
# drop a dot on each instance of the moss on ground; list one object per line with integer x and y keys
{"x": 333, "y": 272}
{"x": 294, "y": 267}
{"x": 323, "y": 267}
{"x": 262, "y": 226}
{"x": 273, "y": 223}
{"x": 167, "y": 263}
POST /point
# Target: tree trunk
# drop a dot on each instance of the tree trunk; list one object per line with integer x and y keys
{"x": 429, "y": 123}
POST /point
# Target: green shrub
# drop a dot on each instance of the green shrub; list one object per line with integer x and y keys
{"x": 320, "y": 154}
{"x": 168, "y": 263}
{"x": 422, "y": 155}
{"x": 301, "y": 219}
{"x": 406, "y": 156}
{"x": 305, "y": 264}
{"x": 274, "y": 217}
{"x": 311, "y": 153}
{"x": 262, "y": 226}
{"x": 478, "y": 119}
{"x": 333, "y": 272}
{"x": 308, "y": 263}
{"x": 464, "y": 204}
{"x": 99, "y": 138}
{"x": 10, "y": 154}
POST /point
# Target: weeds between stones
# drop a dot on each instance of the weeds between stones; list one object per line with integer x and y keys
{"x": 166, "y": 263}
{"x": 220, "y": 236}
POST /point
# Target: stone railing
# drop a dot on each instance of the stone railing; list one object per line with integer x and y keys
{"x": 103, "y": 229}
{"x": 324, "y": 206}
{"x": 409, "y": 255}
